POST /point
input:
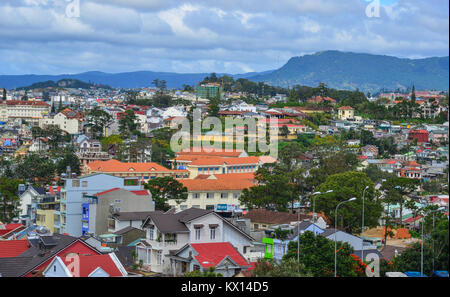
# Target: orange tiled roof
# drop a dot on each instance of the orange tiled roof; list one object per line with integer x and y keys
{"x": 345, "y": 108}
{"x": 117, "y": 166}
{"x": 219, "y": 182}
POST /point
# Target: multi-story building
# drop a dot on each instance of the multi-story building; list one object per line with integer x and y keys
{"x": 209, "y": 90}
{"x": 67, "y": 120}
{"x": 31, "y": 111}
{"x": 90, "y": 150}
{"x": 210, "y": 191}
{"x": 169, "y": 232}
{"x": 98, "y": 209}
{"x": 143, "y": 171}
{"x": 74, "y": 190}
{"x": 346, "y": 113}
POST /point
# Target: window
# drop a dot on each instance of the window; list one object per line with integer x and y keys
{"x": 159, "y": 257}
{"x": 84, "y": 184}
{"x": 224, "y": 195}
{"x": 210, "y": 195}
{"x": 130, "y": 182}
{"x": 213, "y": 233}
{"x": 195, "y": 206}
{"x": 236, "y": 195}
{"x": 151, "y": 231}
{"x": 183, "y": 207}
{"x": 196, "y": 195}
{"x": 209, "y": 207}
{"x": 117, "y": 201}
{"x": 75, "y": 183}
{"x": 197, "y": 234}
{"x": 256, "y": 226}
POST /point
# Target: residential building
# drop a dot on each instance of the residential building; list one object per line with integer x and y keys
{"x": 225, "y": 258}
{"x": 107, "y": 265}
{"x": 209, "y": 90}
{"x": 98, "y": 208}
{"x": 67, "y": 120}
{"x": 169, "y": 232}
{"x": 208, "y": 191}
{"x": 121, "y": 220}
{"x": 28, "y": 206}
{"x": 143, "y": 171}
{"x": 420, "y": 135}
{"x": 346, "y": 113}
{"x": 36, "y": 259}
{"x": 31, "y": 111}
{"x": 90, "y": 150}
{"x": 74, "y": 190}
{"x": 370, "y": 151}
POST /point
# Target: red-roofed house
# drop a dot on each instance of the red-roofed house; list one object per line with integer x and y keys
{"x": 13, "y": 248}
{"x": 6, "y": 231}
{"x": 85, "y": 266}
{"x": 346, "y": 112}
{"x": 96, "y": 212}
{"x": 420, "y": 135}
{"x": 226, "y": 259}
{"x": 144, "y": 171}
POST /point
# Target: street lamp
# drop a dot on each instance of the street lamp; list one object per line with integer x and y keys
{"x": 298, "y": 222}
{"x": 432, "y": 242}
{"x": 335, "y": 231}
{"x": 314, "y": 208}
{"x": 362, "y": 228}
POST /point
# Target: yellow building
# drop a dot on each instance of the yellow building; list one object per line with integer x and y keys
{"x": 346, "y": 112}
{"x": 208, "y": 191}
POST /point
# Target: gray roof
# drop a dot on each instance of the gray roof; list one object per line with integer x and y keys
{"x": 191, "y": 214}
{"x": 39, "y": 190}
{"x": 328, "y": 232}
{"x": 14, "y": 266}
{"x": 36, "y": 257}
{"x": 134, "y": 215}
{"x": 168, "y": 223}
{"x": 174, "y": 223}
{"x": 125, "y": 255}
{"x": 125, "y": 230}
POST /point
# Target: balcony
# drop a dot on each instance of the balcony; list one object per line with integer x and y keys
{"x": 158, "y": 245}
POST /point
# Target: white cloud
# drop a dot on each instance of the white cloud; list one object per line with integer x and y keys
{"x": 209, "y": 35}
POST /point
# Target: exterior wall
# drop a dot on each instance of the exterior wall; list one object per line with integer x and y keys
{"x": 25, "y": 200}
{"x": 56, "y": 270}
{"x": 71, "y": 126}
{"x": 46, "y": 219}
{"x": 78, "y": 247}
{"x": 354, "y": 241}
{"x": 119, "y": 225}
{"x": 203, "y": 201}
{"x": 72, "y": 198}
{"x": 129, "y": 202}
{"x": 221, "y": 169}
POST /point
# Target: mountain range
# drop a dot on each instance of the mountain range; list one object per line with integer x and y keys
{"x": 339, "y": 70}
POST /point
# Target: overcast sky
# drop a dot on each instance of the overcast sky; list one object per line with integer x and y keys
{"x": 232, "y": 36}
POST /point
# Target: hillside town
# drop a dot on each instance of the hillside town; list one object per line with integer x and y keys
{"x": 90, "y": 174}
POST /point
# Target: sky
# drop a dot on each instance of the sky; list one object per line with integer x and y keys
{"x": 223, "y": 36}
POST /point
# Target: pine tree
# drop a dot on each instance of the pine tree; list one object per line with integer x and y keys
{"x": 413, "y": 95}
{"x": 4, "y": 94}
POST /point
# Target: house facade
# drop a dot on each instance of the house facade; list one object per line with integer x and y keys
{"x": 97, "y": 209}
{"x": 169, "y": 232}
{"x": 76, "y": 188}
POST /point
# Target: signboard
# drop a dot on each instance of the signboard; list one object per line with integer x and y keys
{"x": 227, "y": 208}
